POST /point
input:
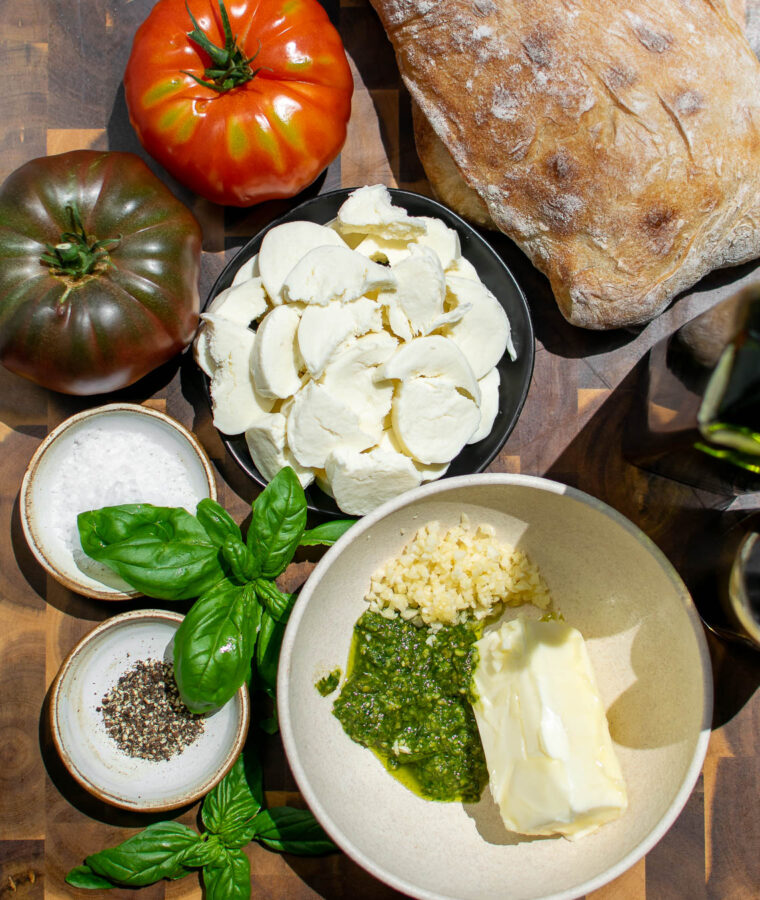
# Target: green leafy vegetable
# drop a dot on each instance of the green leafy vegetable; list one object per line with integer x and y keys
{"x": 274, "y": 601}
{"x": 214, "y": 645}
{"x": 268, "y": 652}
{"x": 325, "y": 534}
{"x": 279, "y": 520}
{"x": 216, "y": 521}
{"x": 162, "y": 552}
{"x": 230, "y": 878}
{"x": 147, "y": 857}
{"x": 232, "y": 815}
{"x": 292, "y": 831}
{"x": 243, "y": 564}
{"x": 84, "y": 877}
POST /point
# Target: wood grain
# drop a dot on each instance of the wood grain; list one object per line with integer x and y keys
{"x": 63, "y": 63}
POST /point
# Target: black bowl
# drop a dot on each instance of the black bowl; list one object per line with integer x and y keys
{"x": 515, "y": 376}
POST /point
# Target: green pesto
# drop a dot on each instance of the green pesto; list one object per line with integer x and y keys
{"x": 328, "y": 684}
{"x": 407, "y": 697}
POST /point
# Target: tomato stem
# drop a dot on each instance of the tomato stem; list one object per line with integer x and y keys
{"x": 74, "y": 256}
{"x": 231, "y": 67}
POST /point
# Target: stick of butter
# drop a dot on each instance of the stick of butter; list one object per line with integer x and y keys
{"x": 545, "y": 735}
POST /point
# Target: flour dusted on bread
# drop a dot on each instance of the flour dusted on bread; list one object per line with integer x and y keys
{"x": 617, "y": 143}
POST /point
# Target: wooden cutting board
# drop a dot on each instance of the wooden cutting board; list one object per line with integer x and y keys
{"x": 63, "y": 62}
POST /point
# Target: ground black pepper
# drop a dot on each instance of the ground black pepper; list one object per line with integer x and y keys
{"x": 144, "y": 714}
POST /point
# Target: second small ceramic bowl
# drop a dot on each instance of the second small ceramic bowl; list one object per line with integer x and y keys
{"x": 82, "y": 465}
{"x": 93, "y": 757}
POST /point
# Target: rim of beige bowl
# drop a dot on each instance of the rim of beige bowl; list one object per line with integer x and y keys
{"x": 436, "y": 487}
{"x": 25, "y": 499}
{"x": 241, "y": 699}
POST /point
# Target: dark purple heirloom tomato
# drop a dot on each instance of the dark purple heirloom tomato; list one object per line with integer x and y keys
{"x": 99, "y": 271}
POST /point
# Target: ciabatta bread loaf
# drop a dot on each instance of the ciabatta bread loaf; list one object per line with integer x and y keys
{"x": 618, "y": 143}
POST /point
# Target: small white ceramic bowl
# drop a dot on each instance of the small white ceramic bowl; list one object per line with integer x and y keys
{"x": 47, "y": 481}
{"x": 649, "y": 654}
{"x": 92, "y": 756}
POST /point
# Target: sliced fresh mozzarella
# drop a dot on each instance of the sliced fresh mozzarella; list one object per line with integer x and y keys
{"x": 202, "y": 350}
{"x": 241, "y": 303}
{"x": 448, "y": 318}
{"x": 349, "y": 377}
{"x": 284, "y": 245}
{"x": 324, "y": 328}
{"x": 236, "y": 404}
{"x": 431, "y": 356}
{"x": 463, "y": 268}
{"x": 484, "y": 333}
{"x": 249, "y": 269}
{"x": 397, "y": 320}
{"x": 432, "y": 419}
{"x": 318, "y": 423}
{"x": 420, "y": 288}
{"x": 441, "y": 239}
{"x": 428, "y": 472}
{"x": 267, "y": 445}
{"x": 320, "y": 476}
{"x": 361, "y": 482}
{"x": 276, "y": 361}
{"x": 370, "y": 210}
{"x": 383, "y": 250}
{"x": 334, "y": 273}
{"x": 489, "y": 404}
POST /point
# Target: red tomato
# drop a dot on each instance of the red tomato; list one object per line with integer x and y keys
{"x": 272, "y": 111}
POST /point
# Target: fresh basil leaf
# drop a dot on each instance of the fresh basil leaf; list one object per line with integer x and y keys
{"x": 268, "y": 653}
{"x": 146, "y": 857}
{"x": 206, "y": 852}
{"x": 84, "y": 877}
{"x": 214, "y": 645}
{"x": 235, "y": 800}
{"x": 274, "y": 601}
{"x": 325, "y": 534}
{"x": 271, "y": 725}
{"x": 243, "y": 565}
{"x": 216, "y": 521}
{"x": 292, "y": 831}
{"x": 160, "y": 551}
{"x": 230, "y": 878}
{"x": 279, "y": 519}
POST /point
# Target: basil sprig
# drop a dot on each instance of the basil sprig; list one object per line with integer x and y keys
{"x": 238, "y": 618}
{"x": 233, "y": 814}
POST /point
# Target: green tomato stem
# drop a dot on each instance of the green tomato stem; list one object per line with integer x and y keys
{"x": 74, "y": 257}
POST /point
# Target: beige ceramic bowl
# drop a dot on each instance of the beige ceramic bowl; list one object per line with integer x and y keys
{"x": 46, "y": 481}
{"x": 650, "y": 657}
{"x": 92, "y": 756}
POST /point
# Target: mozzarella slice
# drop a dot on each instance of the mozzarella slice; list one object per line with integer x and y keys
{"x": 236, "y": 404}
{"x": 284, "y": 245}
{"x": 383, "y": 250}
{"x": 318, "y": 423}
{"x": 276, "y": 360}
{"x": 370, "y": 210}
{"x": 484, "y": 333}
{"x": 428, "y": 472}
{"x": 463, "y": 268}
{"x": 397, "y": 320}
{"x": 420, "y": 288}
{"x": 202, "y": 351}
{"x": 432, "y": 420}
{"x": 324, "y": 328}
{"x": 489, "y": 404}
{"x": 249, "y": 269}
{"x": 350, "y": 379}
{"x": 334, "y": 273}
{"x": 431, "y": 357}
{"x": 441, "y": 239}
{"x": 267, "y": 445}
{"x": 241, "y": 303}
{"x": 448, "y": 318}
{"x": 361, "y": 482}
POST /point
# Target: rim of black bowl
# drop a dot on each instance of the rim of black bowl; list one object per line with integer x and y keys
{"x": 515, "y": 377}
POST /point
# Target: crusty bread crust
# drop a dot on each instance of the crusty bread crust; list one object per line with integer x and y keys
{"x": 617, "y": 143}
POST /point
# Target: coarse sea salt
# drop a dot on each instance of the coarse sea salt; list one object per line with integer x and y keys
{"x": 104, "y": 466}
